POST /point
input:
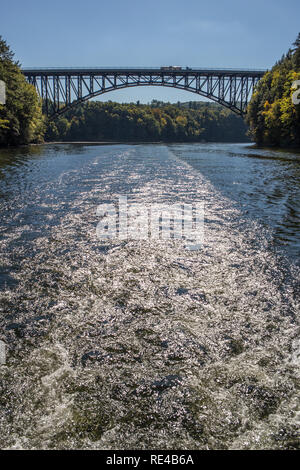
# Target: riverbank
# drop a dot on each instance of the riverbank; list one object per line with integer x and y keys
{"x": 277, "y": 149}
{"x": 135, "y": 142}
{"x": 101, "y": 142}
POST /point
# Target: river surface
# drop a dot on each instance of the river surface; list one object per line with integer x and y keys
{"x": 145, "y": 344}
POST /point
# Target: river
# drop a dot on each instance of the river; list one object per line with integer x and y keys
{"x": 145, "y": 344}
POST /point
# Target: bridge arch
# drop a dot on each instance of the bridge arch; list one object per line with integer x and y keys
{"x": 62, "y": 89}
{"x": 100, "y": 92}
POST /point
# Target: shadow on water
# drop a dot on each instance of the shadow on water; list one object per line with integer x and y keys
{"x": 14, "y": 157}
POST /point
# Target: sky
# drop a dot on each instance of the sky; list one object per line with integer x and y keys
{"x": 218, "y": 33}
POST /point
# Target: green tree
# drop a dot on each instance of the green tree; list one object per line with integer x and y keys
{"x": 272, "y": 117}
{"x": 21, "y": 119}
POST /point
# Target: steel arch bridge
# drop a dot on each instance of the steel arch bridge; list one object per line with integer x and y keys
{"x": 64, "y": 88}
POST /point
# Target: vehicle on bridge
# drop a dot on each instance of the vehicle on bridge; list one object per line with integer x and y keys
{"x": 171, "y": 67}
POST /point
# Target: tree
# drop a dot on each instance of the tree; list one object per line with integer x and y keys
{"x": 297, "y": 42}
{"x": 21, "y": 119}
{"x": 272, "y": 117}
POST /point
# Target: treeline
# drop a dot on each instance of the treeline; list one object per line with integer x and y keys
{"x": 273, "y": 118}
{"x": 21, "y": 119}
{"x": 181, "y": 122}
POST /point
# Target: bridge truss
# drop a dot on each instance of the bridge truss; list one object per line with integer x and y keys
{"x": 62, "y": 89}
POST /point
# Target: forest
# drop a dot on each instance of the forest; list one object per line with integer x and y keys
{"x": 273, "y": 118}
{"x": 158, "y": 121}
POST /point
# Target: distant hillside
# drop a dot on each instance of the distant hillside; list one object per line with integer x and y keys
{"x": 182, "y": 122}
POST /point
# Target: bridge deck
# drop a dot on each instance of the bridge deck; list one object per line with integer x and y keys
{"x": 141, "y": 70}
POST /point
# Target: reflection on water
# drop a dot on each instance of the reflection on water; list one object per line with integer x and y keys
{"x": 143, "y": 344}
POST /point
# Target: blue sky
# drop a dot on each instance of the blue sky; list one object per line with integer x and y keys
{"x": 232, "y": 33}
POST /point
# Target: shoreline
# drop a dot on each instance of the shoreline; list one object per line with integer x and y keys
{"x": 160, "y": 142}
{"x": 252, "y": 145}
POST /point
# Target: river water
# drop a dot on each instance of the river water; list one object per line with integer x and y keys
{"x": 144, "y": 344}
